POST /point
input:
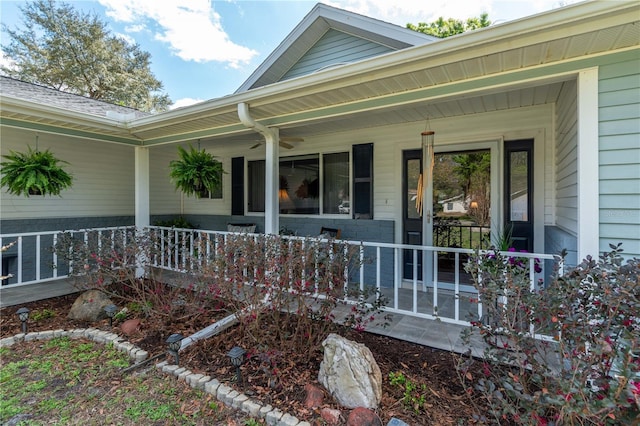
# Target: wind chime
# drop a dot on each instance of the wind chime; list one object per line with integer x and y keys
{"x": 428, "y": 138}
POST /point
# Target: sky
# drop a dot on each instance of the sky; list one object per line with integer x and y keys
{"x": 204, "y": 49}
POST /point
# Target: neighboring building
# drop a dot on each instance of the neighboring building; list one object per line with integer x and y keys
{"x": 554, "y": 98}
{"x": 454, "y": 205}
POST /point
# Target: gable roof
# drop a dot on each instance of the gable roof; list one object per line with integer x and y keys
{"x": 320, "y": 21}
{"x": 47, "y": 96}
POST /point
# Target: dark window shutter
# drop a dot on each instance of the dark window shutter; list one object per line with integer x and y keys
{"x": 363, "y": 181}
{"x": 237, "y": 186}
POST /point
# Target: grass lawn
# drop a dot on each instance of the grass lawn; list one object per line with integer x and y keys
{"x": 79, "y": 382}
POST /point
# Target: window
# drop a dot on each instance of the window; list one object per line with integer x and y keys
{"x": 336, "y": 183}
{"x": 217, "y": 194}
{"x": 256, "y": 185}
{"x": 363, "y": 181}
{"x": 299, "y": 190}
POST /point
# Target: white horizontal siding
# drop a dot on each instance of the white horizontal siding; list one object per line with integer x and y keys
{"x": 566, "y": 158}
{"x": 103, "y": 175}
{"x": 619, "y": 156}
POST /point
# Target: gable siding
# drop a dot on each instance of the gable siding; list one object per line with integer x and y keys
{"x": 567, "y": 159}
{"x": 332, "y": 48}
{"x": 103, "y": 178}
{"x": 619, "y": 156}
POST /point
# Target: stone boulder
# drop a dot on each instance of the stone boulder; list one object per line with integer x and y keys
{"x": 314, "y": 397}
{"x": 89, "y": 306}
{"x": 363, "y": 417}
{"x": 350, "y": 374}
{"x": 331, "y": 416}
{"x": 130, "y": 327}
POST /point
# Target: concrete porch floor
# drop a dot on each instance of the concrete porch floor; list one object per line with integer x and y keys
{"x": 426, "y": 332}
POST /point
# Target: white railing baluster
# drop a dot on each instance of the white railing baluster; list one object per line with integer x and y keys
{"x": 19, "y": 259}
{"x": 55, "y": 256}
{"x": 456, "y": 284}
{"x": 415, "y": 281}
{"x": 397, "y": 276}
{"x": 435, "y": 283}
{"x": 378, "y": 272}
{"x": 346, "y": 250}
{"x": 38, "y": 257}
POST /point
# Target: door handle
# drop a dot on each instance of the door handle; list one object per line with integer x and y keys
{"x": 428, "y": 216}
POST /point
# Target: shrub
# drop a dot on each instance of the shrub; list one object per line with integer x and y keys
{"x": 586, "y": 370}
{"x": 272, "y": 281}
{"x": 268, "y": 281}
{"x": 112, "y": 262}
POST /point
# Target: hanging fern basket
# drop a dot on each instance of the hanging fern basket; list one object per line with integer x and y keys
{"x": 196, "y": 172}
{"x": 34, "y": 173}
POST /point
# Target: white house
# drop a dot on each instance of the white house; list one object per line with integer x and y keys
{"x": 558, "y": 93}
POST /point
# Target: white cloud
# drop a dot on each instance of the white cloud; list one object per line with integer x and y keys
{"x": 185, "y": 102}
{"x": 192, "y": 28}
{"x": 6, "y": 61}
{"x": 414, "y": 11}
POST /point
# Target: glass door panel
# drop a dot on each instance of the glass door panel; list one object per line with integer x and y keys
{"x": 461, "y": 206}
{"x": 412, "y": 216}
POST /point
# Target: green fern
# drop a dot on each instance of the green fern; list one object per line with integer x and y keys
{"x": 195, "y": 171}
{"x": 34, "y": 173}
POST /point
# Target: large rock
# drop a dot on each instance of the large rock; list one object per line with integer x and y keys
{"x": 350, "y": 374}
{"x": 89, "y": 306}
{"x": 363, "y": 417}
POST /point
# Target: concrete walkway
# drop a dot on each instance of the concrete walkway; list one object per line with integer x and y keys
{"x": 435, "y": 334}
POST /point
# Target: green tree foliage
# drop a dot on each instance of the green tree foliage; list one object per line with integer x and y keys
{"x": 445, "y": 28}
{"x": 62, "y": 48}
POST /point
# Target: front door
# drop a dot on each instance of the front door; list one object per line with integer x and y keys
{"x": 518, "y": 193}
{"x": 460, "y": 187}
{"x": 411, "y": 213}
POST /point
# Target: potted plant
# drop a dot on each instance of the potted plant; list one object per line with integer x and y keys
{"x": 196, "y": 172}
{"x": 34, "y": 173}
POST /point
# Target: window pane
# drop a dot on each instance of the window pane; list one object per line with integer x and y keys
{"x": 299, "y": 190}
{"x": 336, "y": 183}
{"x": 519, "y": 187}
{"x": 413, "y": 185}
{"x": 256, "y": 185}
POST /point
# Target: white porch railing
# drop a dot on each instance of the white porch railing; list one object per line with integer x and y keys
{"x": 33, "y": 258}
{"x": 447, "y": 294}
{"x": 395, "y": 270}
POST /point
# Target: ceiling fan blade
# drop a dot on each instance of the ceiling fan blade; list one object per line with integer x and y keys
{"x": 256, "y": 145}
{"x": 285, "y": 145}
{"x": 291, "y": 139}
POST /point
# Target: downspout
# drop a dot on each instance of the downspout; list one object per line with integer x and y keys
{"x": 248, "y": 120}
{"x": 272, "y": 163}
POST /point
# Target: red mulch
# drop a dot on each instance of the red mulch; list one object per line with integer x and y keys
{"x": 445, "y": 399}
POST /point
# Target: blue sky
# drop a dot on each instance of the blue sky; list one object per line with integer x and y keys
{"x": 204, "y": 49}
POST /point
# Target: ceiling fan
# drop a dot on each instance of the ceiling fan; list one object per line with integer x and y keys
{"x": 283, "y": 142}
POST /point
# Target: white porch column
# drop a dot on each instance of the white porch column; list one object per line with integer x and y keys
{"x": 142, "y": 186}
{"x": 272, "y": 182}
{"x": 588, "y": 176}
{"x": 141, "y": 199}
